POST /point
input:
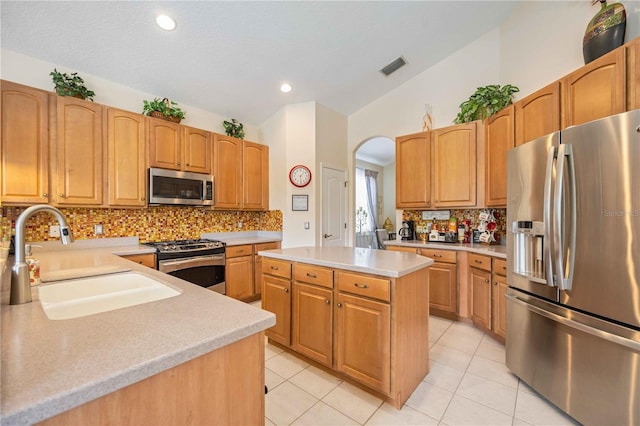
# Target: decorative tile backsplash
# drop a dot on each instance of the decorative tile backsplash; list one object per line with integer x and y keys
{"x": 150, "y": 224}
{"x": 466, "y": 214}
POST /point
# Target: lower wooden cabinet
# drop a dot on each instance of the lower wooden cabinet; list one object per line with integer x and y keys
{"x": 276, "y": 298}
{"x": 480, "y": 286}
{"x": 488, "y": 287}
{"x": 243, "y": 271}
{"x": 147, "y": 259}
{"x": 498, "y": 297}
{"x": 312, "y": 320}
{"x": 443, "y": 282}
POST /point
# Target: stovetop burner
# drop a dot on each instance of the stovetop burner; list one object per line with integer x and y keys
{"x": 185, "y": 246}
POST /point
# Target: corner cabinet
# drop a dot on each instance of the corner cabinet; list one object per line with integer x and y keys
{"x": 127, "y": 152}
{"x": 24, "y": 145}
{"x": 499, "y": 138}
{"x": 413, "y": 171}
{"x": 78, "y": 151}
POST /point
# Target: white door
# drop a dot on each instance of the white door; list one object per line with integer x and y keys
{"x": 334, "y": 204}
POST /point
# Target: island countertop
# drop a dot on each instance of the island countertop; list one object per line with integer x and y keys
{"x": 391, "y": 264}
{"x": 489, "y": 250}
{"x": 50, "y": 366}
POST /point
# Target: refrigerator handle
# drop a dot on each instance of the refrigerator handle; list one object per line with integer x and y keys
{"x": 547, "y": 245}
{"x": 564, "y": 267}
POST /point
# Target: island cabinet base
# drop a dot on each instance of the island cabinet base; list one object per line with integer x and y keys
{"x": 223, "y": 387}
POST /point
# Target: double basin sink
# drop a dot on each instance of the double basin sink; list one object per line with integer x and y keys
{"x": 74, "y": 298}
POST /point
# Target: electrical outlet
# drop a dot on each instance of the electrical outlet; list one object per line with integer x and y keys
{"x": 54, "y": 231}
{"x": 97, "y": 229}
{"x": 239, "y": 224}
{"x": 306, "y": 225}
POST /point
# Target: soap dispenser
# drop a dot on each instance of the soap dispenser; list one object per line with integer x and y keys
{"x": 34, "y": 266}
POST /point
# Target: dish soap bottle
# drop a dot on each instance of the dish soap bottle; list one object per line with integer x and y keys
{"x": 34, "y": 266}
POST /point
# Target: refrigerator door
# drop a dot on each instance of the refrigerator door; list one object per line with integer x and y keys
{"x": 529, "y": 167}
{"x": 606, "y": 156}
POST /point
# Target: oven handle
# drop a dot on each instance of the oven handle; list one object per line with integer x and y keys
{"x": 191, "y": 262}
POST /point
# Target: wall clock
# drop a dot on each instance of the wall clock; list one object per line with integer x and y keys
{"x": 300, "y": 176}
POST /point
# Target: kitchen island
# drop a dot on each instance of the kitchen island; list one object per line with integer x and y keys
{"x": 359, "y": 313}
{"x": 184, "y": 359}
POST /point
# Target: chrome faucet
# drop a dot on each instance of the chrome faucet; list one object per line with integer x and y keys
{"x": 20, "y": 286}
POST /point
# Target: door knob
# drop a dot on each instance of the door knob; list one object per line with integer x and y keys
{"x": 327, "y": 235}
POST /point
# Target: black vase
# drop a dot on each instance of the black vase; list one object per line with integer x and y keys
{"x": 605, "y": 31}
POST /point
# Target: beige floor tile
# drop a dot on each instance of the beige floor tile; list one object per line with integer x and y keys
{"x": 437, "y": 327}
{"x": 450, "y": 357}
{"x": 463, "y": 411}
{"x": 444, "y": 376}
{"x": 270, "y": 351}
{"x": 490, "y": 349}
{"x": 462, "y": 337}
{"x": 492, "y": 370}
{"x": 321, "y": 414}
{"x": 430, "y": 400}
{"x": 353, "y": 402}
{"x": 487, "y": 392}
{"x": 286, "y": 403}
{"x": 268, "y": 422}
{"x": 286, "y": 365}
{"x": 387, "y": 415}
{"x": 536, "y": 410}
{"x": 271, "y": 379}
{"x": 315, "y": 381}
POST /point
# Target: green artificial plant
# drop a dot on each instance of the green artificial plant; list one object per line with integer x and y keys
{"x": 71, "y": 85}
{"x": 234, "y": 128}
{"x": 168, "y": 108}
{"x": 485, "y": 102}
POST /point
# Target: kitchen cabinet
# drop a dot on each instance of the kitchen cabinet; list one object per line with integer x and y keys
{"x": 633, "y": 74}
{"x": 78, "y": 152}
{"x": 147, "y": 259}
{"x": 443, "y": 282}
{"x": 165, "y": 144}
{"x": 537, "y": 114}
{"x": 239, "y": 271}
{"x": 312, "y": 314}
{"x": 126, "y": 148}
{"x": 257, "y": 264}
{"x": 480, "y": 288}
{"x": 595, "y": 90}
{"x": 24, "y": 145}
{"x": 498, "y": 297}
{"x": 499, "y": 138}
{"x": 196, "y": 150}
{"x": 255, "y": 176}
{"x": 413, "y": 171}
{"x": 276, "y": 298}
{"x": 454, "y": 158}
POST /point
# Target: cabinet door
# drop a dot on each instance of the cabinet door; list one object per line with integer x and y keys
{"x": 227, "y": 172}
{"x": 498, "y": 140}
{"x": 498, "y": 305}
{"x": 257, "y": 264}
{"x": 363, "y": 341}
{"x": 126, "y": 139}
{"x": 276, "y": 298}
{"x": 24, "y": 145}
{"x": 413, "y": 171}
{"x": 164, "y": 144}
{"x": 595, "y": 90}
{"x": 453, "y": 150}
{"x": 538, "y": 114}
{"x": 255, "y": 176}
{"x": 238, "y": 275}
{"x": 443, "y": 287}
{"x": 312, "y": 319}
{"x": 147, "y": 259}
{"x": 633, "y": 74}
{"x": 79, "y": 151}
{"x": 197, "y": 150}
{"x": 480, "y": 297}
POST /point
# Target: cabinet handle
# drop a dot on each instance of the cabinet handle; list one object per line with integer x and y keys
{"x": 62, "y": 195}
{"x": 478, "y": 261}
{"x": 178, "y": 163}
{"x": 286, "y": 290}
{"x": 495, "y": 283}
{"x": 328, "y": 301}
{"x": 187, "y": 164}
{"x": 142, "y": 199}
{"x": 45, "y": 195}
{"x": 361, "y": 285}
{"x": 437, "y": 255}
{"x": 339, "y": 305}
{"x": 312, "y": 275}
{"x": 275, "y": 268}
{"x": 486, "y": 281}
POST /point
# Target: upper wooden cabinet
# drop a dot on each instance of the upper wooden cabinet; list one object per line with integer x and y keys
{"x": 413, "y": 171}
{"x": 633, "y": 74}
{"x": 126, "y": 147}
{"x": 538, "y": 114}
{"x": 78, "y": 152}
{"x": 498, "y": 140}
{"x": 196, "y": 150}
{"x": 454, "y": 154}
{"x": 165, "y": 144}
{"x": 24, "y": 145}
{"x": 255, "y": 176}
{"x": 595, "y": 90}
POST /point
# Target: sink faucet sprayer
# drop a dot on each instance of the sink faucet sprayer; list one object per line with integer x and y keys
{"x": 20, "y": 286}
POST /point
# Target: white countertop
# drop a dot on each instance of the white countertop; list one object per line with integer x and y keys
{"x": 50, "y": 366}
{"x": 386, "y": 263}
{"x": 240, "y": 238}
{"x": 489, "y": 250}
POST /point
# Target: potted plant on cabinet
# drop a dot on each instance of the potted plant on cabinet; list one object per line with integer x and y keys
{"x": 485, "y": 102}
{"x": 71, "y": 85}
{"x": 164, "y": 109}
{"x": 234, "y": 128}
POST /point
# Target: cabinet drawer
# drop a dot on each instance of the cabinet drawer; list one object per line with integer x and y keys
{"x": 235, "y": 251}
{"x": 313, "y": 275}
{"x": 148, "y": 260}
{"x": 279, "y": 268}
{"x": 480, "y": 262}
{"x": 376, "y": 288}
{"x": 267, "y": 246}
{"x": 399, "y": 248}
{"x": 500, "y": 267}
{"x": 444, "y": 256}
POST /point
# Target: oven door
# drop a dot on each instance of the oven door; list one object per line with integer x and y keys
{"x": 205, "y": 271}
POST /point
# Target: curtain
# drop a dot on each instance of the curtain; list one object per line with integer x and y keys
{"x": 371, "y": 179}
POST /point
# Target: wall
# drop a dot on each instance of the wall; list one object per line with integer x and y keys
{"x": 389, "y": 189}
{"x": 33, "y": 72}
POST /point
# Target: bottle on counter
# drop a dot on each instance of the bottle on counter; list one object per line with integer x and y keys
{"x": 33, "y": 264}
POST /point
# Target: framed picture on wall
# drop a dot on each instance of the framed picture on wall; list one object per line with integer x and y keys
{"x": 300, "y": 203}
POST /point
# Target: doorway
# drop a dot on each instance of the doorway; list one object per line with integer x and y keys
{"x": 334, "y": 202}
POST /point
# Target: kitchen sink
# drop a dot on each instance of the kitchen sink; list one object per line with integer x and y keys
{"x": 91, "y": 295}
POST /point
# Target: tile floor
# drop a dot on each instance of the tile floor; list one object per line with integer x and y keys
{"x": 468, "y": 385}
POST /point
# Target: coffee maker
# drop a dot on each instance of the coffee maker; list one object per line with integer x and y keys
{"x": 408, "y": 230}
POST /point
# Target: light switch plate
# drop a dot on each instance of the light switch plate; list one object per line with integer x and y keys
{"x": 97, "y": 229}
{"x": 306, "y": 225}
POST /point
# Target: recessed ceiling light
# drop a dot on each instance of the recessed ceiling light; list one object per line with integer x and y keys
{"x": 285, "y": 88}
{"x": 165, "y": 22}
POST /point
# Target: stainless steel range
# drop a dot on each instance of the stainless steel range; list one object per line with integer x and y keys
{"x": 198, "y": 261}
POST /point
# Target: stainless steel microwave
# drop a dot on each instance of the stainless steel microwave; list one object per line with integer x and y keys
{"x": 176, "y": 187}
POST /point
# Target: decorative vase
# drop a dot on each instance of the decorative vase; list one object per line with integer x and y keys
{"x": 605, "y": 31}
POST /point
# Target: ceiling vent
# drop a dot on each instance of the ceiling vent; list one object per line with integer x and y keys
{"x": 393, "y": 66}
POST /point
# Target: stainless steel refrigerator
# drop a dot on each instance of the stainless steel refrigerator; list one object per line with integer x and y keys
{"x": 573, "y": 264}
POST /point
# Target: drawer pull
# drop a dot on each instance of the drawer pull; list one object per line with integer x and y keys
{"x": 478, "y": 261}
{"x": 495, "y": 283}
{"x": 486, "y": 281}
{"x": 328, "y": 301}
{"x": 437, "y": 255}
{"x": 339, "y": 305}
{"x": 361, "y": 285}
{"x": 312, "y": 275}
{"x": 274, "y": 268}
{"x": 286, "y": 290}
